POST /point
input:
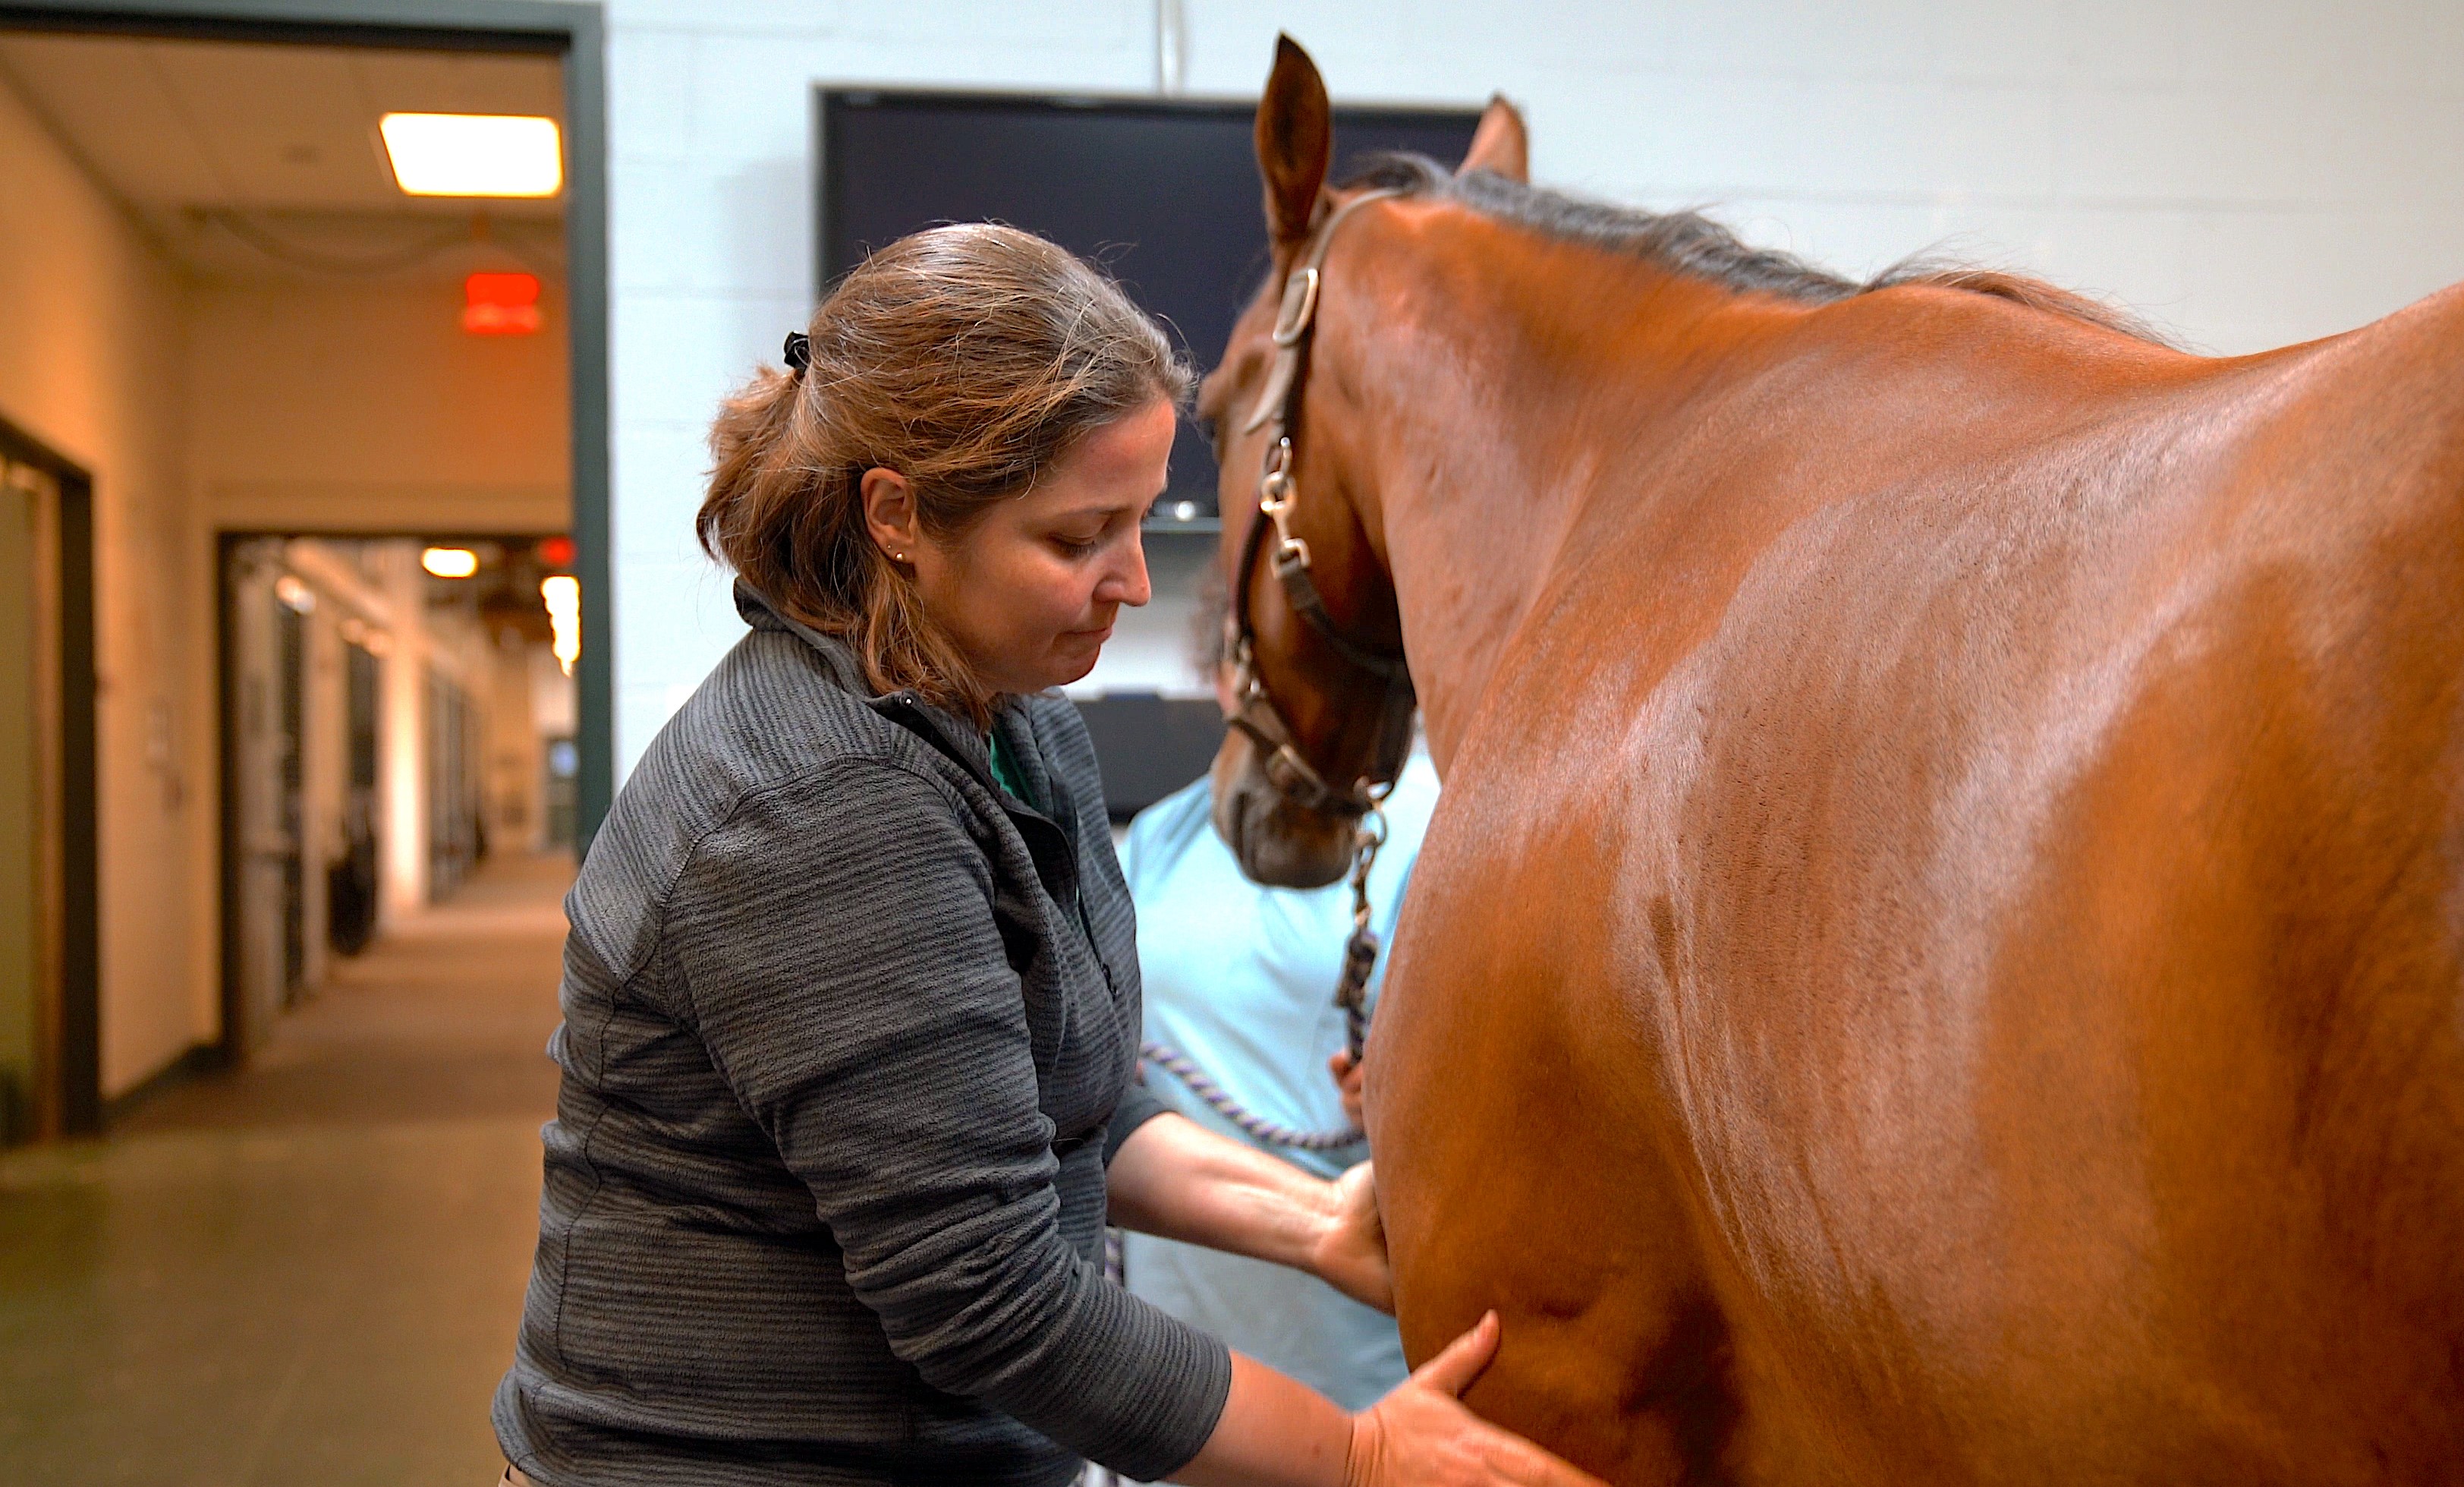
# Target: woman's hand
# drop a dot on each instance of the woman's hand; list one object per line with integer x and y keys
{"x": 1276, "y": 1432}
{"x": 1350, "y": 1250}
{"x": 1421, "y": 1435}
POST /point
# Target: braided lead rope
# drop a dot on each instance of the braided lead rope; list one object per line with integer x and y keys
{"x": 1173, "y": 1061}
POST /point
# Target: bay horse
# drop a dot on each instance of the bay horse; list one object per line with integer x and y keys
{"x": 1938, "y": 960}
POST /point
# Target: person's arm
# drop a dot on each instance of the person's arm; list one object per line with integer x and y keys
{"x": 1175, "y": 1179}
{"x": 1277, "y": 1432}
{"x": 833, "y": 945}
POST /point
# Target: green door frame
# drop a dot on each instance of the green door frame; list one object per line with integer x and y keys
{"x": 576, "y": 32}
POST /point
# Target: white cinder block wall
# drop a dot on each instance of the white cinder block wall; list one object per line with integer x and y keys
{"x": 2244, "y": 173}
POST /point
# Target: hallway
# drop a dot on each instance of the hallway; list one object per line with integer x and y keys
{"x": 309, "y": 1273}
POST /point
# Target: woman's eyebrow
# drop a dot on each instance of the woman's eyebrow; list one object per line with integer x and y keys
{"x": 1106, "y": 508}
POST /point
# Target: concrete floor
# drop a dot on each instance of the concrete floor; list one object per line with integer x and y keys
{"x": 309, "y": 1273}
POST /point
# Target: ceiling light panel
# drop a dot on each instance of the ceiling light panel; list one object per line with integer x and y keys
{"x": 449, "y": 561}
{"x": 474, "y": 154}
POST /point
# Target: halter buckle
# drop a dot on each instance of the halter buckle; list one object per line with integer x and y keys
{"x": 1299, "y": 306}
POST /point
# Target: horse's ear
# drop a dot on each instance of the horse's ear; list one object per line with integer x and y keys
{"x": 1295, "y": 140}
{"x": 1499, "y": 146}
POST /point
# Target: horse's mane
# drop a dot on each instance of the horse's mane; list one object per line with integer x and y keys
{"x": 1689, "y": 243}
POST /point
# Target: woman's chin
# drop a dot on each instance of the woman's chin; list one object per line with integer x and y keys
{"x": 1077, "y": 659}
{"x": 1068, "y": 664}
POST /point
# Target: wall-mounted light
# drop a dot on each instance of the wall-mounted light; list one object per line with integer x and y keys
{"x": 295, "y": 596}
{"x": 500, "y": 305}
{"x": 474, "y": 154}
{"x": 561, "y": 593}
{"x": 449, "y": 561}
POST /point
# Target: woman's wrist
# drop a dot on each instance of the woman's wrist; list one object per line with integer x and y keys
{"x": 1324, "y": 1205}
{"x": 1297, "y": 1216}
{"x": 1361, "y": 1450}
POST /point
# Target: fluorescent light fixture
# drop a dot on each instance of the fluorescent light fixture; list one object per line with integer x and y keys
{"x": 449, "y": 561}
{"x": 561, "y": 593}
{"x": 474, "y": 154}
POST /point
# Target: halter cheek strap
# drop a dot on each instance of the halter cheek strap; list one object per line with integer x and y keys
{"x": 1277, "y": 410}
{"x": 1293, "y": 777}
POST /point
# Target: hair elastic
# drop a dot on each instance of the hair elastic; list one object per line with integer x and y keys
{"x": 799, "y": 351}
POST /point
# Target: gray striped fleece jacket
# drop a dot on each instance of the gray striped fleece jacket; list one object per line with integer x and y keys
{"x": 848, "y": 1041}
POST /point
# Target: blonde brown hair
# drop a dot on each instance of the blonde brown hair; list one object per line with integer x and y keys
{"x": 966, "y": 358}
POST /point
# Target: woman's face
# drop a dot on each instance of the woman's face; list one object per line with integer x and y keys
{"x": 1030, "y": 591}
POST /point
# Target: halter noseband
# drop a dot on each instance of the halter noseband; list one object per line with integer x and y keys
{"x": 1278, "y": 411}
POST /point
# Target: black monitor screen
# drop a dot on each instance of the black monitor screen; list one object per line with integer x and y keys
{"x": 1165, "y": 195}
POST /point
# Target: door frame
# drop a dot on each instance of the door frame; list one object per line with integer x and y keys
{"x": 68, "y": 1077}
{"x": 573, "y": 29}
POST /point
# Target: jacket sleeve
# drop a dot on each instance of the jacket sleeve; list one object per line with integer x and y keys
{"x": 836, "y": 942}
{"x": 1138, "y": 1105}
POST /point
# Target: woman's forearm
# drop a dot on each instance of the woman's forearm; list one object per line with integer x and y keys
{"x": 1176, "y": 1179}
{"x": 1274, "y": 1431}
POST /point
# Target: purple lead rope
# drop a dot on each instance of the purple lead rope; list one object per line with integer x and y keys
{"x": 1351, "y": 993}
{"x": 1173, "y": 1061}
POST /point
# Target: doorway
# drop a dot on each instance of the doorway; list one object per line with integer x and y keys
{"x": 396, "y": 712}
{"x": 50, "y": 1070}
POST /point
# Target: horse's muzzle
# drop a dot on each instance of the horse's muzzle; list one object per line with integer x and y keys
{"x": 1276, "y": 841}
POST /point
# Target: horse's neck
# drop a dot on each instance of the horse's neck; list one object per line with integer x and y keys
{"x": 1506, "y": 402}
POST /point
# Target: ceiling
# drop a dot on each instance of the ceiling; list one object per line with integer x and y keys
{"x": 263, "y": 161}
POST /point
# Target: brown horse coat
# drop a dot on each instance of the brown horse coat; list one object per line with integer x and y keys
{"x": 1942, "y": 954}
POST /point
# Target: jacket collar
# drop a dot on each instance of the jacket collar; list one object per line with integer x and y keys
{"x": 756, "y": 611}
{"x": 937, "y": 726}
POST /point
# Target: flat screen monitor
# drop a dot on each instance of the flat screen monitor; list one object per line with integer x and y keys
{"x": 1163, "y": 194}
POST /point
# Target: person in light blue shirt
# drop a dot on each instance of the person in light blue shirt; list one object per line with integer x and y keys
{"x": 1241, "y": 979}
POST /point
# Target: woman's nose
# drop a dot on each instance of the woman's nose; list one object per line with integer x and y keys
{"x": 1128, "y": 584}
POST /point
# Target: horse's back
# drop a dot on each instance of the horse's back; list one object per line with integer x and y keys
{"x": 2004, "y": 964}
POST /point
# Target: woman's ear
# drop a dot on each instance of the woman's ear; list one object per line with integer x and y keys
{"x": 889, "y": 513}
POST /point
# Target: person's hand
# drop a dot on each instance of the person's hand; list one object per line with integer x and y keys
{"x": 1350, "y": 1251}
{"x": 1421, "y": 1435}
{"x": 1348, "y": 1081}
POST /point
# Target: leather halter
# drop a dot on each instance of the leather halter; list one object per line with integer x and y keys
{"x": 1278, "y": 411}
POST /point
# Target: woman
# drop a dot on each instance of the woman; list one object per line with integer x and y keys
{"x": 851, "y": 997}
